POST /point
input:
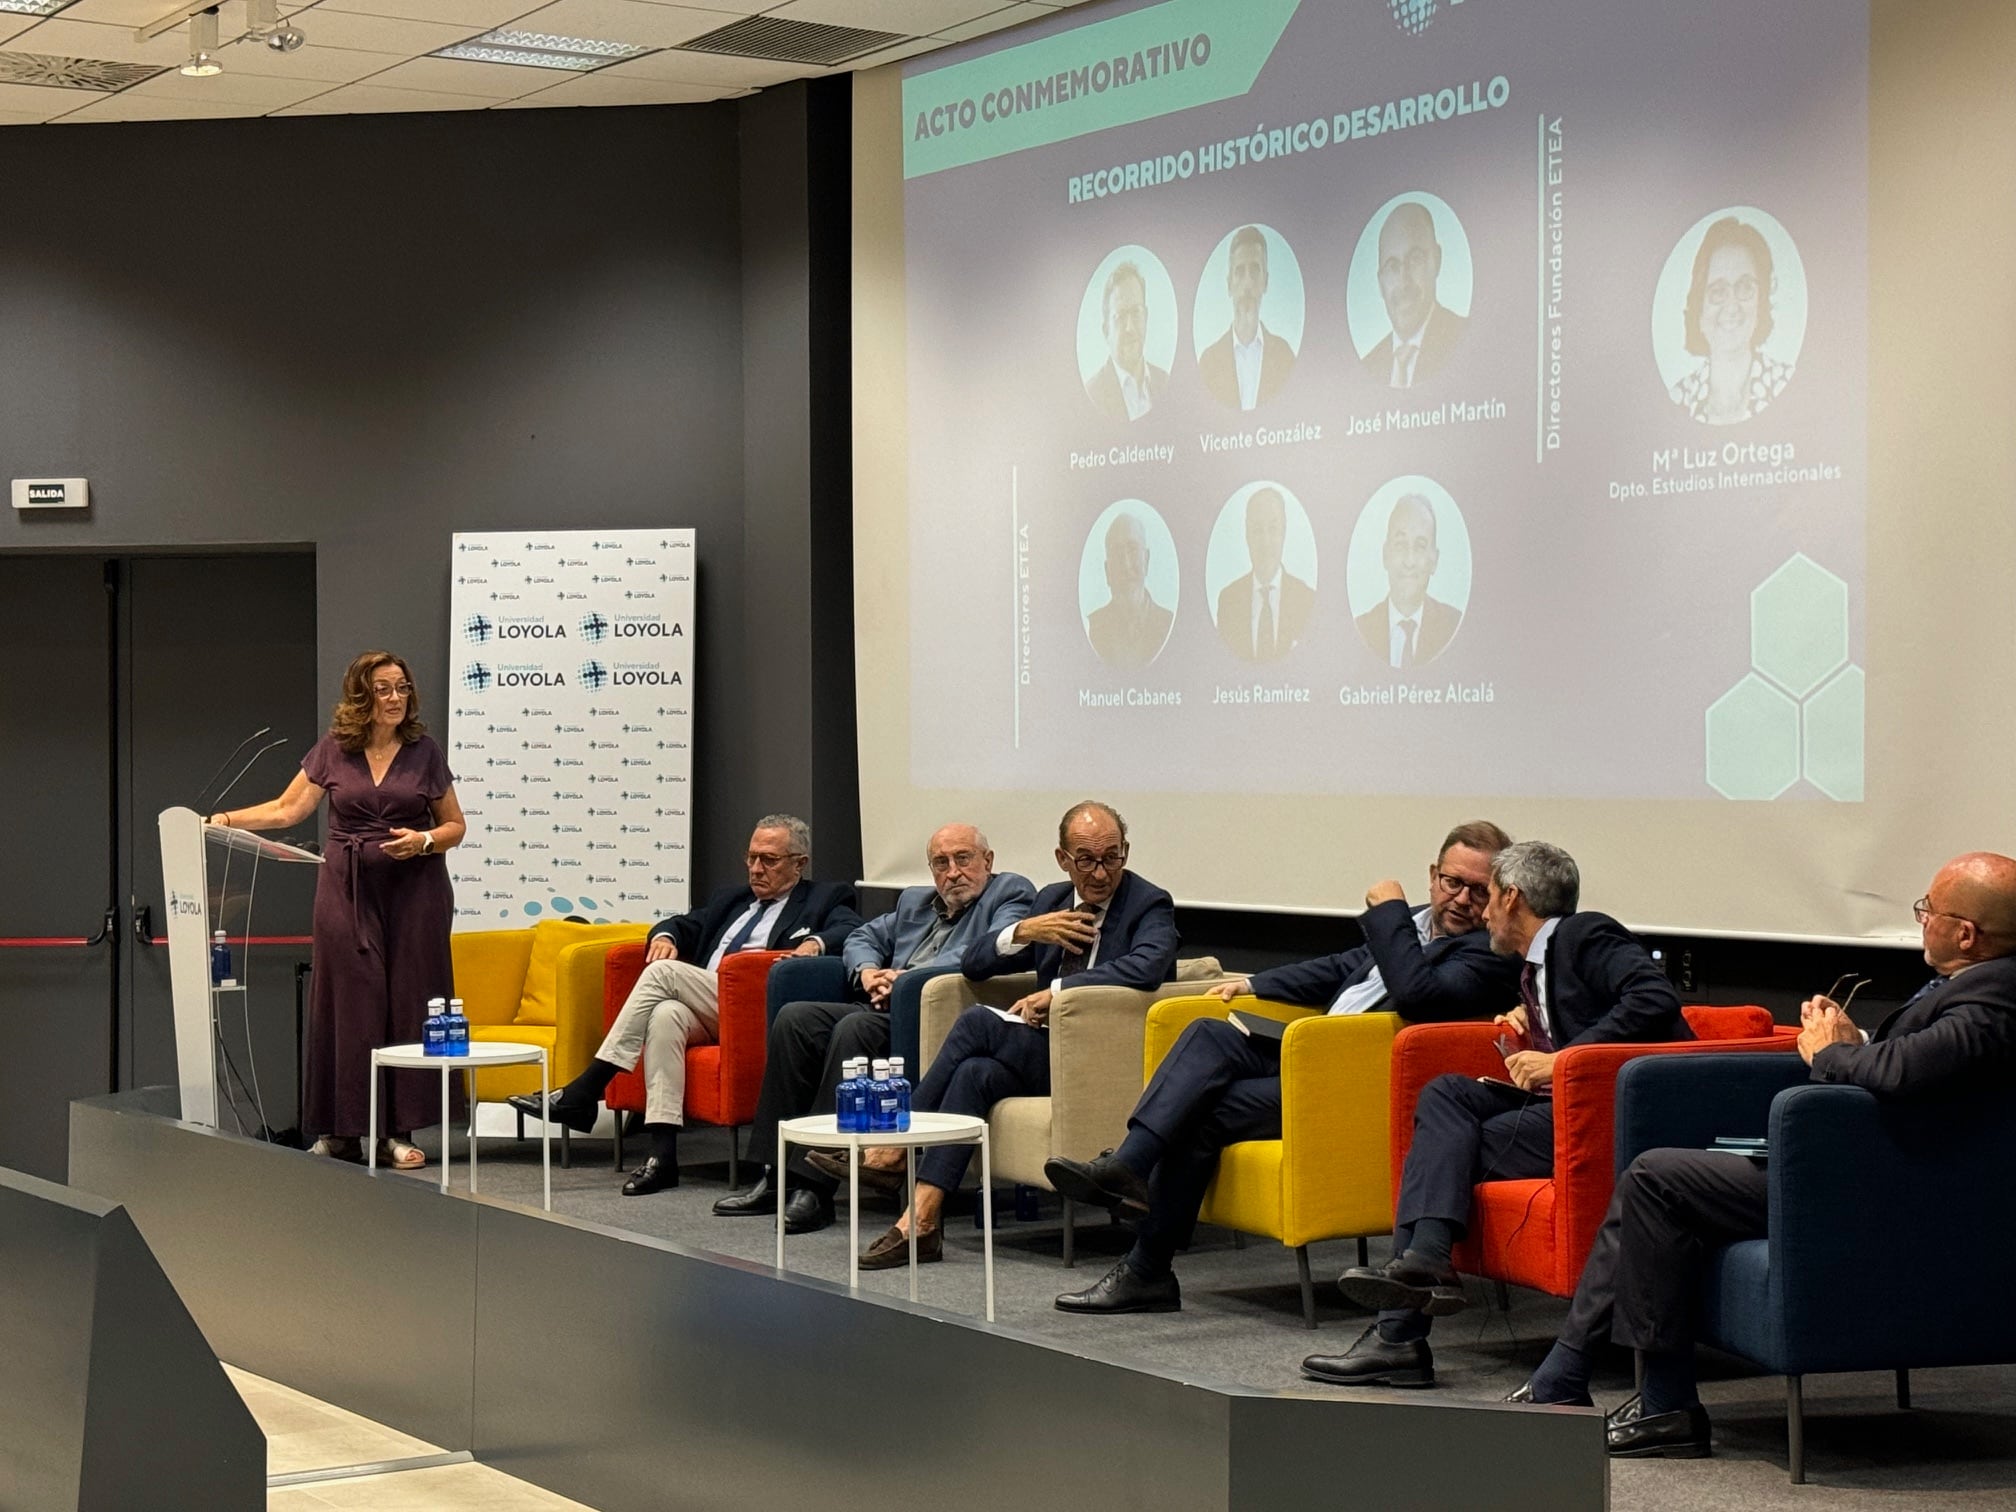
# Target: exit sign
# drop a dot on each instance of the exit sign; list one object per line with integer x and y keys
{"x": 51, "y": 493}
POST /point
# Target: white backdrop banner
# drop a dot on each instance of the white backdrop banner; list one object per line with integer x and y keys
{"x": 571, "y": 664}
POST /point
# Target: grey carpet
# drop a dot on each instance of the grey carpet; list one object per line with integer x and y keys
{"x": 1241, "y": 1323}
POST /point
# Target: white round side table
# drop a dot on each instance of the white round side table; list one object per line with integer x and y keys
{"x": 823, "y": 1130}
{"x": 481, "y": 1053}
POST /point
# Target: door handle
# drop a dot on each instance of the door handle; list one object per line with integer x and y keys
{"x": 105, "y": 926}
{"x": 143, "y": 924}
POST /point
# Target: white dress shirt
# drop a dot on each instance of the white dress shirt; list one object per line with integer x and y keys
{"x": 1266, "y": 606}
{"x": 1396, "y": 633}
{"x": 1004, "y": 942}
{"x": 1134, "y": 391}
{"x": 759, "y": 937}
{"x": 1537, "y": 954}
{"x": 1363, "y": 997}
{"x": 1407, "y": 354}
{"x": 1246, "y": 357}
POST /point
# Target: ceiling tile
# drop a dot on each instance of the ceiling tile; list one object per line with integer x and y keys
{"x": 39, "y": 102}
{"x": 594, "y": 89}
{"x": 676, "y": 67}
{"x": 911, "y": 17}
{"x": 62, "y": 38}
{"x": 738, "y": 7}
{"x": 491, "y": 81}
{"x": 12, "y": 25}
{"x": 898, "y": 50}
{"x": 369, "y": 99}
{"x": 479, "y": 13}
{"x": 126, "y": 13}
{"x": 1012, "y": 15}
{"x": 631, "y": 21}
{"x": 231, "y": 89}
{"x": 388, "y": 34}
{"x": 331, "y": 65}
{"x": 132, "y": 107}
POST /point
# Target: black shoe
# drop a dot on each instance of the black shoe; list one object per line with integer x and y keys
{"x": 1409, "y": 1281}
{"x": 806, "y": 1211}
{"x": 1372, "y": 1361}
{"x": 654, "y": 1175}
{"x": 1102, "y": 1181}
{"x": 751, "y": 1202}
{"x": 573, "y": 1116}
{"x": 1629, "y": 1434}
{"x": 1123, "y": 1290}
{"x": 1524, "y": 1393}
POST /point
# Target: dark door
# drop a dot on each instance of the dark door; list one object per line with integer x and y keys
{"x": 128, "y": 680}
{"x": 215, "y": 648}
{"x": 56, "y": 880}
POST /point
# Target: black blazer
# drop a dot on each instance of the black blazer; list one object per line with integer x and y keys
{"x": 1452, "y": 977}
{"x": 825, "y": 909}
{"x": 1602, "y": 987}
{"x": 1137, "y": 941}
{"x": 1960, "y": 1030}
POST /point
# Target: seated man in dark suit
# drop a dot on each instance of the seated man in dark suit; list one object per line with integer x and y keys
{"x": 676, "y": 1001}
{"x": 1583, "y": 980}
{"x": 1218, "y": 1086}
{"x": 1674, "y": 1208}
{"x": 928, "y": 931}
{"x": 1106, "y": 926}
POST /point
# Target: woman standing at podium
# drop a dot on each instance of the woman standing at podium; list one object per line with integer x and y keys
{"x": 383, "y": 903}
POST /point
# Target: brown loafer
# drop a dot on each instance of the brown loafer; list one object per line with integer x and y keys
{"x": 893, "y": 1249}
{"x": 887, "y": 1181}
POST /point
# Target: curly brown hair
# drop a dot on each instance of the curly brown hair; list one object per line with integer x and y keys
{"x": 351, "y": 723}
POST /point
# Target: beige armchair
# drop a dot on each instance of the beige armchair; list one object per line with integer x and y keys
{"x": 1096, "y": 1039}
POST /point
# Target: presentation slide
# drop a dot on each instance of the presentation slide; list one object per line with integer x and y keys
{"x": 1391, "y": 398}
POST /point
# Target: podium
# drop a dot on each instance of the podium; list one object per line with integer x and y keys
{"x": 203, "y": 865}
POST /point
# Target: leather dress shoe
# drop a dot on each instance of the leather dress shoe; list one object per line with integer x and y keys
{"x": 1123, "y": 1290}
{"x": 888, "y": 1180}
{"x": 1102, "y": 1181}
{"x": 579, "y": 1119}
{"x": 1524, "y": 1393}
{"x": 1629, "y": 1434}
{"x": 1374, "y": 1361}
{"x": 806, "y": 1211}
{"x": 654, "y": 1175}
{"x": 892, "y": 1250}
{"x": 751, "y": 1202}
{"x": 1411, "y": 1281}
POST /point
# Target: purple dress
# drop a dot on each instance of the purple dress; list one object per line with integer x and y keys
{"x": 381, "y": 940}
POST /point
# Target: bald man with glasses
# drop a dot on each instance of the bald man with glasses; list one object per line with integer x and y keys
{"x": 1218, "y": 1086}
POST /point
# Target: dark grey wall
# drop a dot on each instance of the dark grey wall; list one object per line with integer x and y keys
{"x": 364, "y": 333}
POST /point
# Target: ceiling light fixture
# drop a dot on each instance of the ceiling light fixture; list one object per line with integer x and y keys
{"x": 542, "y": 50}
{"x": 35, "y": 7}
{"x": 262, "y": 24}
{"x": 203, "y": 62}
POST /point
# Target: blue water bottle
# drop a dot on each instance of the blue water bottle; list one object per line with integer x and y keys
{"x": 434, "y": 1034}
{"x": 881, "y": 1101}
{"x": 458, "y": 1028}
{"x": 850, "y": 1108}
{"x": 220, "y": 961}
{"x": 902, "y": 1085}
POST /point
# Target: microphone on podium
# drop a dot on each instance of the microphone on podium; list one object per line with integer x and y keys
{"x": 202, "y": 800}
{"x": 250, "y": 762}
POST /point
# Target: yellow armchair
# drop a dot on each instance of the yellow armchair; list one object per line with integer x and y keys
{"x": 537, "y": 986}
{"x": 1329, "y": 1175}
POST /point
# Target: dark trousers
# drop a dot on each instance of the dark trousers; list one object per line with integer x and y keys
{"x": 808, "y": 1044}
{"x": 984, "y": 1059}
{"x": 1215, "y": 1087}
{"x": 1671, "y": 1210}
{"x": 1467, "y": 1131}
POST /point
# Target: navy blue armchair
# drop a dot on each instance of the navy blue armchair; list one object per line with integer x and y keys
{"x": 1857, "y": 1188}
{"x": 823, "y": 979}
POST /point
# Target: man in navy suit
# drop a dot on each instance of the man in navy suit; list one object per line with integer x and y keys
{"x": 1674, "y": 1208}
{"x": 1105, "y": 926}
{"x": 674, "y": 1003}
{"x": 1218, "y": 1086}
{"x": 1583, "y": 979}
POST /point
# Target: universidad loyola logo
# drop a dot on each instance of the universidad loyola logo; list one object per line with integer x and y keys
{"x": 477, "y": 628}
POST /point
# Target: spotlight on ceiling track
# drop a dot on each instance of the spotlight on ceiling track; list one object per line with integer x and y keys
{"x": 203, "y": 46}
{"x": 262, "y": 20}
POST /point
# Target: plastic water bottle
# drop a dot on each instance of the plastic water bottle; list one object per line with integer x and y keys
{"x": 458, "y": 1028}
{"x": 434, "y": 1034}
{"x": 881, "y": 1101}
{"x": 850, "y": 1101}
{"x": 220, "y": 961}
{"x": 902, "y": 1085}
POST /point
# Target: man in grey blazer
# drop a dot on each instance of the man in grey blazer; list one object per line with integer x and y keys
{"x": 928, "y": 931}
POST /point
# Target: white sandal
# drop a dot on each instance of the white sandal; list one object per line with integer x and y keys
{"x": 335, "y": 1147}
{"x": 400, "y": 1155}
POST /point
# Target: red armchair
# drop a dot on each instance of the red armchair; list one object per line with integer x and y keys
{"x": 1538, "y": 1233}
{"x": 722, "y": 1079}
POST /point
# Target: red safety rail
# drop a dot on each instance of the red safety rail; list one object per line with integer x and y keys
{"x": 40, "y": 942}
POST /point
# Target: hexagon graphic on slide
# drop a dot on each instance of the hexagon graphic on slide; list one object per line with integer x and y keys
{"x": 1799, "y": 625}
{"x": 1753, "y": 741}
{"x": 1832, "y": 721}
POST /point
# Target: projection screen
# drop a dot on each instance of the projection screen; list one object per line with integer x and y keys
{"x": 1306, "y": 426}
